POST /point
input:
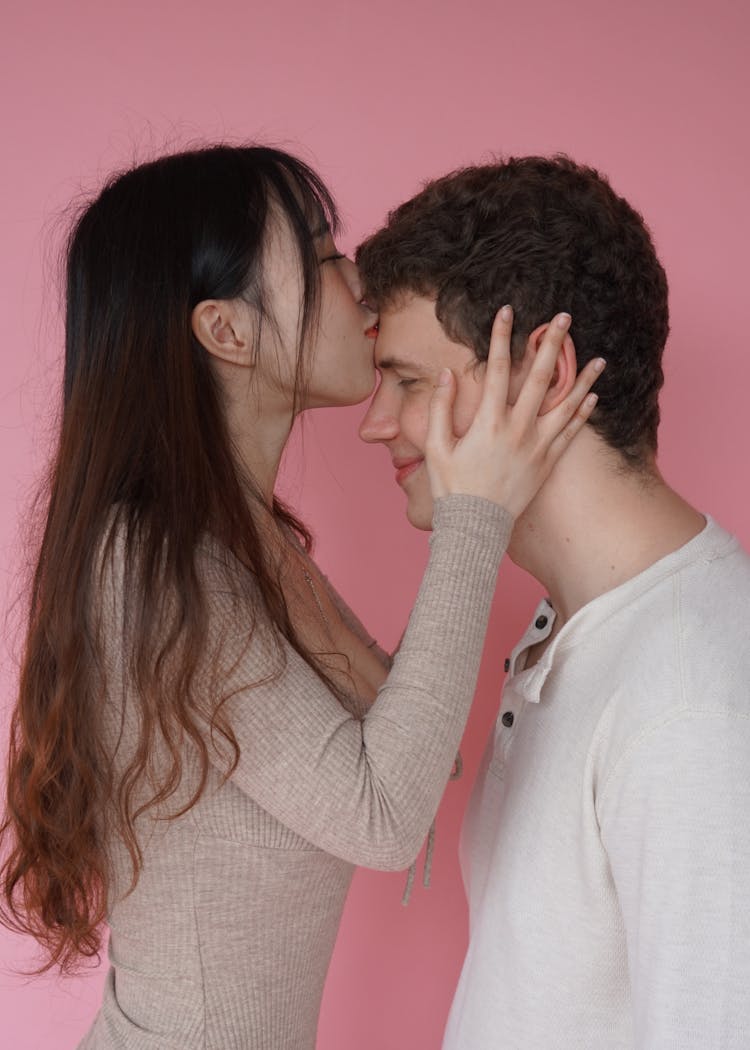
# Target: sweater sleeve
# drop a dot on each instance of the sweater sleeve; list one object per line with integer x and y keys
{"x": 674, "y": 822}
{"x": 367, "y": 790}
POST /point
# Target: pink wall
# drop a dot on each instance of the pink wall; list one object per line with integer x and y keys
{"x": 379, "y": 97}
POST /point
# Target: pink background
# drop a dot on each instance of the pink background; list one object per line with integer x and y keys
{"x": 379, "y": 97}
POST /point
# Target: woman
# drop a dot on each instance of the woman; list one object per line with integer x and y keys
{"x": 206, "y": 740}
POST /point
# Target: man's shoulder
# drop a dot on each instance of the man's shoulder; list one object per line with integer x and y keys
{"x": 710, "y": 598}
{"x": 703, "y": 587}
{"x": 711, "y": 551}
{"x": 678, "y": 644}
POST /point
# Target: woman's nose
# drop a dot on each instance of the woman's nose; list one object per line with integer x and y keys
{"x": 351, "y": 276}
{"x": 354, "y": 282}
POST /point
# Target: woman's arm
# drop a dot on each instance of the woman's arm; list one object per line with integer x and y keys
{"x": 368, "y": 790}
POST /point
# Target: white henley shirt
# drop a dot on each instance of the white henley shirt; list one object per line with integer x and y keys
{"x": 606, "y": 849}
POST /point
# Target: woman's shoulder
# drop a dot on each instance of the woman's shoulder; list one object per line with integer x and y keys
{"x": 125, "y": 543}
{"x": 130, "y": 571}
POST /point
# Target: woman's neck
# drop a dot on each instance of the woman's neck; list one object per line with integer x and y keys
{"x": 259, "y": 422}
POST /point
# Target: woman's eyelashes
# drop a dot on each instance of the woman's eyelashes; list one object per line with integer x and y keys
{"x": 333, "y": 257}
{"x": 407, "y": 382}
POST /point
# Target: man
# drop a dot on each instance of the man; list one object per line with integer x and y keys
{"x": 606, "y": 849}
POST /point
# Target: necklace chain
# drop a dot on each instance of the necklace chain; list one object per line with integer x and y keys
{"x": 316, "y": 596}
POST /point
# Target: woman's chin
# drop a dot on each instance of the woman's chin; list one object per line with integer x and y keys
{"x": 344, "y": 398}
{"x": 419, "y": 515}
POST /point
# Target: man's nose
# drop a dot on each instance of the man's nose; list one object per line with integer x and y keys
{"x": 378, "y": 424}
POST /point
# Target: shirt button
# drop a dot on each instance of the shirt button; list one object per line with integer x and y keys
{"x": 507, "y": 664}
{"x": 540, "y": 622}
{"x": 507, "y": 719}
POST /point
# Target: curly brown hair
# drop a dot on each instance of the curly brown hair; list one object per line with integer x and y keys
{"x": 543, "y": 234}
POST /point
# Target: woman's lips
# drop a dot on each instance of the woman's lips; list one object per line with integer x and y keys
{"x": 405, "y": 467}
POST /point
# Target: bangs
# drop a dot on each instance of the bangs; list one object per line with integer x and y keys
{"x": 305, "y": 200}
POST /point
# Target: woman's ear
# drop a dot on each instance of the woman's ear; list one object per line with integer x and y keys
{"x": 566, "y": 368}
{"x": 224, "y": 329}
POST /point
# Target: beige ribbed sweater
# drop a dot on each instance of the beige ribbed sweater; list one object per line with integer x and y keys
{"x": 225, "y": 941}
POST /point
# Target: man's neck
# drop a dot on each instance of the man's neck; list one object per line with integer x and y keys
{"x": 596, "y": 524}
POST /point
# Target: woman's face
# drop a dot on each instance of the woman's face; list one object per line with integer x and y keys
{"x": 340, "y": 367}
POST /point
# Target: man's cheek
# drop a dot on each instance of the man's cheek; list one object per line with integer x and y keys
{"x": 415, "y": 424}
{"x": 465, "y": 408}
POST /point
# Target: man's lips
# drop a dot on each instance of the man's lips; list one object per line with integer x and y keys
{"x": 405, "y": 467}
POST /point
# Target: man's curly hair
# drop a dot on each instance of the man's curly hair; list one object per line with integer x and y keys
{"x": 543, "y": 234}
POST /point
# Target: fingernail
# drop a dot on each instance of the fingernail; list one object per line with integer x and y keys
{"x": 506, "y": 313}
{"x": 563, "y": 321}
{"x": 445, "y": 377}
{"x": 599, "y": 364}
{"x": 591, "y": 400}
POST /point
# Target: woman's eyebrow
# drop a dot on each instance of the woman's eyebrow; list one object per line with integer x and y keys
{"x": 321, "y": 230}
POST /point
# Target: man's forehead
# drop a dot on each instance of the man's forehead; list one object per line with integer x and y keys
{"x": 408, "y": 333}
{"x": 412, "y": 338}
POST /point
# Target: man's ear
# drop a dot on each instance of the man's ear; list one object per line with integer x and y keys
{"x": 566, "y": 367}
{"x": 224, "y": 329}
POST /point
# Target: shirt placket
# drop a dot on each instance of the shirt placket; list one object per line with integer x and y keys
{"x": 521, "y": 688}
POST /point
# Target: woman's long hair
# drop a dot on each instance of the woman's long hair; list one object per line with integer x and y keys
{"x": 144, "y": 451}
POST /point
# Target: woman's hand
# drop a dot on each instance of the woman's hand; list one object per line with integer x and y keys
{"x": 509, "y": 450}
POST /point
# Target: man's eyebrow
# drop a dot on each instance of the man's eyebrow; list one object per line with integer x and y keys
{"x": 402, "y": 364}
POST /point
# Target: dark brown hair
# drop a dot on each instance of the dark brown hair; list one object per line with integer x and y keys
{"x": 543, "y": 234}
{"x": 143, "y": 460}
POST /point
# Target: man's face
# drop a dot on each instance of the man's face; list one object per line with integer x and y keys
{"x": 411, "y": 351}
